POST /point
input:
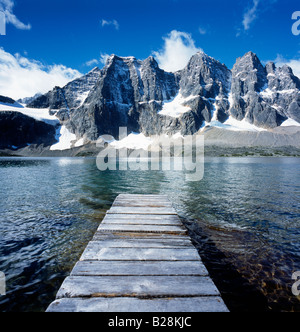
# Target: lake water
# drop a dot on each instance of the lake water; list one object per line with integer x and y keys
{"x": 244, "y": 217}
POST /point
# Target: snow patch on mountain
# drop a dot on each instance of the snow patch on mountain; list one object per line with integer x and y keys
{"x": 233, "y": 125}
{"x": 290, "y": 123}
{"x": 79, "y": 143}
{"x": 175, "y": 108}
{"x": 65, "y": 139}
{"x": 243, "y": 125}
{"x": 139, "y": 95}
{"x": 133, "y": 141}
{"x": 37, "y": 114}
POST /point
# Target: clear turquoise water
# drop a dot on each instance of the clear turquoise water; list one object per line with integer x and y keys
{"x": 247, "y": 209}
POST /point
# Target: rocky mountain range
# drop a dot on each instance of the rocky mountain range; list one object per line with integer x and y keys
{"x": 129, "y": 92}
{"x": 70, "y": 96}
{"x": 144, "y": 98}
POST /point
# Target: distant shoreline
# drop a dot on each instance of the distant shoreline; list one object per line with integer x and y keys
{"x": 209, "y": 151}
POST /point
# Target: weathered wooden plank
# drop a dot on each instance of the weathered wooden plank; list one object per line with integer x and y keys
{"x": 165, "y": 217}
{"x": 142, "y": 204}
{"x": 141, "y": 210}
{"x": 123, "y": 304}
{"x": 137, "y": 221}
{"x": 127, "y": 286}
{"x": 145, "y": 196}
{"x": 140, "y": 250}
{"x": 105, "y": 235}
{"x": 152, "y": 199}
{"x": 147, "y": 268}
{"x": 142, "y": 228}
{"x": 96, "y": 252}
{"x": 143, "y": 243}
{"x": 142, "y": 198}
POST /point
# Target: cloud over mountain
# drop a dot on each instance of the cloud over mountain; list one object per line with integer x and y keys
{"x": 178, "y": 48}
{"x": 22, "y": 77}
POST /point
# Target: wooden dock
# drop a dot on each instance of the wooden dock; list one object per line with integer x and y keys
{"x": 140, "y": 260}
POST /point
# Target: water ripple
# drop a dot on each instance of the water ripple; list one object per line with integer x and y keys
{"x": 248, "y": 209}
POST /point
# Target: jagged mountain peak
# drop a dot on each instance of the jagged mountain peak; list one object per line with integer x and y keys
{"x": 201, "y": 54}
{"x": 202, "y": 59}
{"x": 281, "y": 78}
{"x": 72, "y": 95}
{"x": 250, "y": 57}
{"x": 287, "y": 69}
{"x": 264, "y": 96}
{"x": 247, "y": 63}
{"x": 131, "y": 60}
{"x": 95, "y": 70}
{"x": 271, "y": 68}
{"x": 113, "y": 59}
{"x": 142, "y": 96}
{"x": 248, "y": 75}
{"x": 204, "y": 76}
{"x": 151, "y": 61}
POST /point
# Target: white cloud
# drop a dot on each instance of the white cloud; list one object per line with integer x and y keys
{"x": 178, "y": 48}
{"x": 112, "y": 22}
{"x": 250, "y": 15}
{"x": 95, "y": 62}
{"x": 294, "y": 64}
{"x": 256, "y": 8}
{"x": 202, "y": 31}
{"x": 6, "y": 6}
{"x": 103, "y": 58}
{"x": 21, "y": 77}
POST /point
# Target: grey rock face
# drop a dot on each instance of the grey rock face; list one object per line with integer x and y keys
{"x": 71, "y": 95}
{"x": 132, "y": 93}
{"x": 248, "y": 80}
{"x": 209, "y": 81}
{"x": 28, "y": 100}
{"x": 264, "y": 96}
{"x": 120, "y": 95}
{"x": 248, "y": 75}
{"x": 204, "y": 86}
{"x": 205, "y": 77}
{"x": 17, "y": 129}
{"x": 6, "y": 100}
{"x": 283, "y": 92}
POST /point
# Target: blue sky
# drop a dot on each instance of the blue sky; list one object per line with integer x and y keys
{"x": 71, "y": 37}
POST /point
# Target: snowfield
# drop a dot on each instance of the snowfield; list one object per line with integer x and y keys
{"x": 133, "y": 141}
{"x": 173, "y": 108}
{"x": 289, "y": 123}
{"x": 65, "y": 139}
{"x": 37, "y": 114}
